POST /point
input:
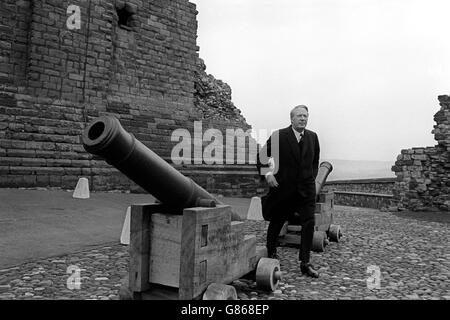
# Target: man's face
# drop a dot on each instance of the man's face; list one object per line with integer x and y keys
{"x": 299, "y": 119}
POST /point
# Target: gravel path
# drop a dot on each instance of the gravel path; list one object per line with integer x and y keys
{"x": 411, "y": 255}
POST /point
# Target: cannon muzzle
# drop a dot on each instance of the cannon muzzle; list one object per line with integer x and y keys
{"x": 106, "y": 138}
{"x": 324, "y": 170}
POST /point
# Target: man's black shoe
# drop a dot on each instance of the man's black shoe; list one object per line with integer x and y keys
{"x": 309, "y": 270}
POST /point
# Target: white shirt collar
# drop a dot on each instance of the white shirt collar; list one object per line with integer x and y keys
{"x": 298, "y": 135}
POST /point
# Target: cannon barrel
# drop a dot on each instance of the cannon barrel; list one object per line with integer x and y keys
{"x": 324, "y": 170}
{"x": 106, "y": 138}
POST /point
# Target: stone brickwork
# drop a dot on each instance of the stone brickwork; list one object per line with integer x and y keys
{"x": 363, "y": 200}
{"x": 213, "y": 98}
{"x": 367, "y": 193}
{"x": 376, "y": 185}
{"x": 423, "y": 174}
{"x": 15, "y": 20}
{"x": 143, "y": 67}
{"x": 229, "y": 181}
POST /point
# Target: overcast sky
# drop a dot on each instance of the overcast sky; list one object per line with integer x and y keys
{"x": 369, "y": 70}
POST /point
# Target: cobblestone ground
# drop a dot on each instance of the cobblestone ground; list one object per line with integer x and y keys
{"x": 412, "y": 256}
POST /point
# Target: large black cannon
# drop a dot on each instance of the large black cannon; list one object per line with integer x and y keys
{"x": 106, "y": 138}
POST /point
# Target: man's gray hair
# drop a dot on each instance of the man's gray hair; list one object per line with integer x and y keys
{"x": 298, "y": 107}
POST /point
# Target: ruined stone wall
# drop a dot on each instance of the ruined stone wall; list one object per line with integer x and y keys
{"x": 236, "y": 175}
{"x": 423, "y": 174}
{"x": 213, "y": 98}
{"x": 137, "y": 60}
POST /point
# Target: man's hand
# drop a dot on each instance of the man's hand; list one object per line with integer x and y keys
{"x": 271, "y": 181}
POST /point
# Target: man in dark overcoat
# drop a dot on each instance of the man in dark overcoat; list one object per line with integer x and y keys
{"x": 292, "y": 193}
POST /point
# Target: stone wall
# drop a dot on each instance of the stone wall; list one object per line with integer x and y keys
{"x": 363, "y": 200}
{"x": 212, "y": 100}
{"x": 15, "y": 20}
{"x": 423, "y": 174}
{"x": 376, "y": 185}
{"x": 137, "y": 60}
{"x": 367, "y": 193}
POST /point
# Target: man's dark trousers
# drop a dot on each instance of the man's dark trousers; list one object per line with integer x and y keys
{"x": 305, "y": 207}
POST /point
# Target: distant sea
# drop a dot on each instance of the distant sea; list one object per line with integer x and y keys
{"x": 355, "y": 169}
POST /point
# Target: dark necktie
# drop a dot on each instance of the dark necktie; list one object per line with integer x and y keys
{"x": 300, "y": 142}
